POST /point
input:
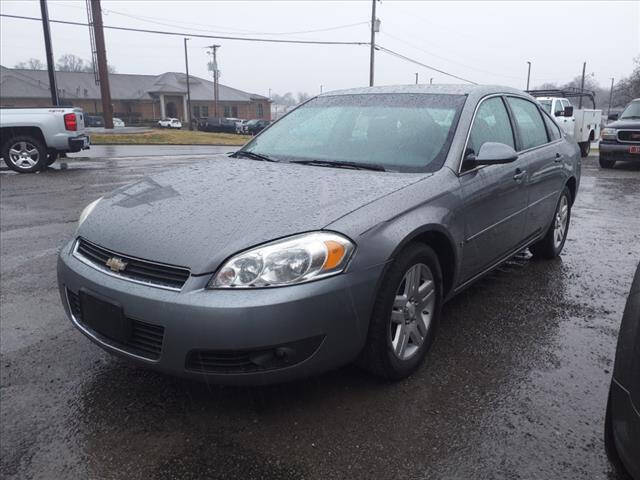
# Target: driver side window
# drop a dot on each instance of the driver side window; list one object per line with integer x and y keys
{"x": 490, "y": 125}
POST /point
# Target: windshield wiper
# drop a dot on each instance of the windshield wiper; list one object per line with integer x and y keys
{"x": 254, "y": 156}
{"x": 629, "y": 116}
{"x": 350, "y": 165}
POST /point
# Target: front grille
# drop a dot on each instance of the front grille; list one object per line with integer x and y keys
{"x": 146, "y": 338}
{"x": 629, "y": 136}
{"x": 135, "y": 269}
{"x": 254, "y": 360}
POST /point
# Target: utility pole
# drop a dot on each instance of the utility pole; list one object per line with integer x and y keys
{"x": 103, "y": 70}
{"x": 610, "y": 98}
{"x": 214, "y": 51}
{"x": 431, "y": 81}
{"x": 186, "y": 65}
{"x": 416, "y": 74}
{"x": 47, "y": 45}
{"x": 375, "y": 27}
{"x": 528, "y": 74}
{"x": 320, "y": 88}
{"x": 584, "y": 69}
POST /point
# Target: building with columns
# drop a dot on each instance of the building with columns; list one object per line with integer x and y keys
{"x": 135, "y": 98}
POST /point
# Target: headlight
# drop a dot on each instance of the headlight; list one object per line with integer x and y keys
{"x": 87, "y": 211}
{"x": 292, "y": 260}
{"x": 610, "y": 133}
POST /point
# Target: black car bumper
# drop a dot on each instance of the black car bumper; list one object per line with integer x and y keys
{"x": 81, "y": 142}
{"x": 618, "y": 151}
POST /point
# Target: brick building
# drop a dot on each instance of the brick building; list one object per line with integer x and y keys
{"x": 135, "y": 98}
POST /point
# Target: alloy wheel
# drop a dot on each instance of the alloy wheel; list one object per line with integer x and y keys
{"x": 560, "y": 222}
{"x": 24, "y": 155}
{"x": 412, "y": 311}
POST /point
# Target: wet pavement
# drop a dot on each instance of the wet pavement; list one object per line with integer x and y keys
{"x": 515, "y": 386}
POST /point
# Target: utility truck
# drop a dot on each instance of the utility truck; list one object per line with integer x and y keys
{"x": 580, "y": 123}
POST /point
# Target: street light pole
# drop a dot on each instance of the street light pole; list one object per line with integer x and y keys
{"x": 528, "y": 74}
{"x": 610, "y": 98}
{"x": 186, "y": 64}
{"x": 373, "y": 41}
{"x": 416, "y": 74}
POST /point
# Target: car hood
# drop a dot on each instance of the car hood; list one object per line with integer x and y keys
{"x": 631, "y": 123}
{"x": 198, "y": 216}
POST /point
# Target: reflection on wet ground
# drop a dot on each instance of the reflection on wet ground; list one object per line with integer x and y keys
{"x": 515, "y": 386}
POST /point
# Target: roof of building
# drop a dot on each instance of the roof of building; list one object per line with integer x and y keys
{"x": 22, "y": 83}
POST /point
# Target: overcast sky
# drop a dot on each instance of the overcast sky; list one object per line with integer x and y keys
{"x": 486, "y": 42}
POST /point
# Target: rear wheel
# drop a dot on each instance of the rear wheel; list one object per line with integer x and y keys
{"x": 585, "y": 148}
{"x": 406, "y": 314}
{"x": 606, "y": 163}
{"x": 552, "y": 243}
{"x": 24, "y": 154}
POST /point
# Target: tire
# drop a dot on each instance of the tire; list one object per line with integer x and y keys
{"x": 24, "y": 154}
{"x": 396, "y": 322}
{"x": 585, "y": 148}
{"x": 610, "y": 444}
{"x": 606, "y": 163}
{"x": 553, "y": 242}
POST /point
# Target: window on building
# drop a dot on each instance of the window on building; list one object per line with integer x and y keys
{"x": 204, "y": 110}
{"x": 195, "y": 111}
{"x": 234, "y": 112}
{"x": 530, "y": 125}
{"x": 227, "y": 111}
{"x": 490, "y": 125}
{"x": 259, "y": 110}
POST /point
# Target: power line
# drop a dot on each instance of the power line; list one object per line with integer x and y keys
{"x": 408, "y": 59}
{"x": 190, "y": 34}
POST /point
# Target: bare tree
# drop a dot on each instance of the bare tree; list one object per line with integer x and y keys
{"x": 31, "y": 64}
{"x": 72, "y": 63}
{"x": 303, "y": 97}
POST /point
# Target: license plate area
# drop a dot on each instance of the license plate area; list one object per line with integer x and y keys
{"x": 634, "y": 149}
{"x": 105, "y": 316}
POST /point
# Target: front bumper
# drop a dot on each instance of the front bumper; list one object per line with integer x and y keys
{"x": 328, "y": 319}
{"x": 78, "y": 143}
{"x": 618, "y": 151}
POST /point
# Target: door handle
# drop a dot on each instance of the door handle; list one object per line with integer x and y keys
{"x": 519, "y": 175}
{"x": 558, "y": 158}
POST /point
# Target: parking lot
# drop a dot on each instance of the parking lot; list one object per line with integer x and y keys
{"x": 515, "y": 386}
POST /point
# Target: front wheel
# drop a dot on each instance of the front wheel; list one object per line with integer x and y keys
{"x": 406, "y": 314}
{"x": 552, "y": 243}
{"x": 24, "y": 154}
{"x": 606, "y": 163}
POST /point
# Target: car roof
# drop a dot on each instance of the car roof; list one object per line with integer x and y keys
{"x": 443, "y": 89}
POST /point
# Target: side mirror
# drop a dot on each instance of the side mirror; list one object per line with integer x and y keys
{"x": 568, "y": 111}
{"x": 491, "y": 153}
{"x": 613, "y": 116}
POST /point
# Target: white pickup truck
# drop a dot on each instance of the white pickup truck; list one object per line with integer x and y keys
{"x": 582, "y": 124}
{"x": 32, "y": 138}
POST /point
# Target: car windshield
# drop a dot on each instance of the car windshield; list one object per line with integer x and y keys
{"x": 400, "y": 132}
{"x": 632, "y": 110}
{"x": 546, "y": 105}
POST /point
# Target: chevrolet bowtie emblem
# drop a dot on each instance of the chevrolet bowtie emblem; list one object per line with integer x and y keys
{"x": 116, "y": 264}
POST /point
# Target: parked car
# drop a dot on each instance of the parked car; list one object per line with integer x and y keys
{"x": 582, "y": 124}
{"x": 334, "y": 236}
{"x": 118, "y": 123}
{"x": 33, "y": 138}
{"x": 253, "y": 127}
{"x": 622, "y": 420}
{"x": 93, "y": 121}
{"x": 240, "y": 126}
{"x": 621, "y": 138}
{"x": 169, "y": 123}
{"x": 219, "y": 124}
